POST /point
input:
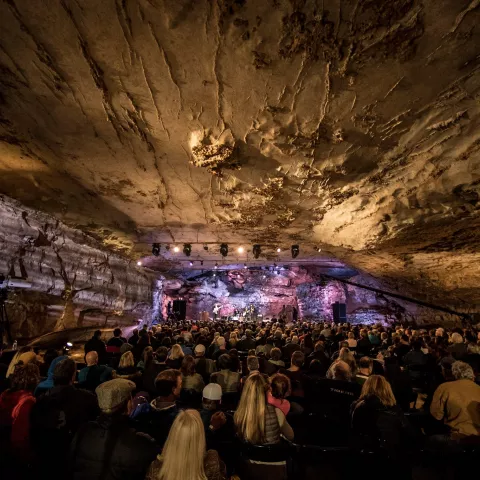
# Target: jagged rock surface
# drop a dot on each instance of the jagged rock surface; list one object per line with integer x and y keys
{"x": 350, "y": 124}
{"x": 73, "y": 282}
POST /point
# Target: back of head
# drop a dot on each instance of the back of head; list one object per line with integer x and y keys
{"x": 184, "y": 451}
{"x": 166, "y": 382}
{"x": 126, "y": 360}
{"x": 252, "y": 363}
{"x": 161, "y": 353}
{"x": 365, "y": 362}
{"x": 249, "y": 417}
{"x": 188, "y": 365}
{"x": 378, "y": 386}
{"x": 462, "y": 371}
{"x": 64, "y": 372}
{"x": 339, "y": 370}
{"x": 97, "y": 334}
{"x": 114, "y": 396}
{"x": 298, "y": 358}
{"x": 24, "y": 377}
{"x": 224, "y": 361}
{"x": 295, "y": 339}
{"x": 221, "y": 342}
{"x": 275, "y": 354}
{"x": 457, "y": 338}
{"x": 117, "y": 332}
{"x": 176, "y": 352}
{"x": 91, "y": 358}
{"x": 280, "y": 385}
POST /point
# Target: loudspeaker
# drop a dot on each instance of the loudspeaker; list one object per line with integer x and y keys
{"x": 339, "y": 312}
{"x": 180, "y": 309}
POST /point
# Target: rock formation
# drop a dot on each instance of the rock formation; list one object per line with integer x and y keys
{"x": 350, "y": 125}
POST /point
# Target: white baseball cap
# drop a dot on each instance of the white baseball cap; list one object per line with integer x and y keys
{"x": 212, "y": 391}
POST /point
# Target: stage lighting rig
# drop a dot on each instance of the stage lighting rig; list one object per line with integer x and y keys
{"x": 187, "y": 249}
{"x": 224, "y": 249}
{"x": 295, "y": 251}
{"x": 156, "y": 249}
{"x": 257, "y": 250}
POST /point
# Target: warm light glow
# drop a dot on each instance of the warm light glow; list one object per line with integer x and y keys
{"x": 279, "y": 250}
{"x": 240, "y": 249}
{"x": 139, "y": 263}
{"x": 319, "y": 250}
{"x": 176, "y": 249}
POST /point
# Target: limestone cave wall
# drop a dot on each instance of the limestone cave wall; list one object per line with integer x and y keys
{"x": 74, "y": 281}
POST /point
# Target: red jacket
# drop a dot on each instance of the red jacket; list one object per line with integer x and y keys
{"x": 15, "y": 410}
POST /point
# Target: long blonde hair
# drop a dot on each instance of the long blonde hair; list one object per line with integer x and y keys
{"x": 184, "y": 451}
{"x": 126, "y": 360}
{"x": 378, "y": 386}
{"x": 176, "y": 352}
{"x": 250, "y": 415}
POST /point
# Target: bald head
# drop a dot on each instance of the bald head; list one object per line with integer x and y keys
{"x": 91, "y": 358}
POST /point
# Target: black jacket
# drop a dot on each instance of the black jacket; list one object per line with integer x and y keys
{"x": 376, "y": 426}
{"x": 109, "y": 449}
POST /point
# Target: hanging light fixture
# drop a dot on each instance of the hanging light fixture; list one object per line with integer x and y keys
{"x": 176, "y": 249}
{"x": 240, "y": 249}
{"x": 279, "y": 250}
{"x": 295, "y": 251}
{"x": 156, "y": 249}
{"x": 224, "y": 249}
{"x": 187, "y": 249}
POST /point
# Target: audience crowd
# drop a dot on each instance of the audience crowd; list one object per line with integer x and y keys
{"x": 180, "y": 400}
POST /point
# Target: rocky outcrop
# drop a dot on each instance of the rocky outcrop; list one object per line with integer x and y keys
{"x": 73, "y": 281}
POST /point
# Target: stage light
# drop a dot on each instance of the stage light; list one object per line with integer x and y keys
{"x": 187, "y": 249}
{"x": 205, "y": 247}
{"x": 139, "y": 263}
{"x": 190, "y": 263}
{"x": 216, "y": 265}
{"x": 176, "y": 249}
{"x": 214, "y": 274}
{"x": 264, "y": 276}
{"x": 156, "y": 249}
{"x": 224, "y": 249}
{"x": 295, "y": 251}
{"x": 257, "y": 250}
{"x": 69, "y": 344}
{"x": 245, "y": 265}
{"x": 319, "y": 249}
{"x": 279, "y": 250}
{"x": 240, "y": 249}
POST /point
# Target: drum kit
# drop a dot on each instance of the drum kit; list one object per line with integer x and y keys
{"x": 247, "y": 314}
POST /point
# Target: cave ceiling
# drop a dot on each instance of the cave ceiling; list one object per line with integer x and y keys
{"x": 349, "y": 125}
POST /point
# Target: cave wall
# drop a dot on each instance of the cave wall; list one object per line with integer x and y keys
{"x": 300, "y": 287}
{"x": 74, "y": 280}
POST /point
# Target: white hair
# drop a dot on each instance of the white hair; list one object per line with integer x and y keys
{"x": 457, "y": 338}
{"x": 462, "y": 370}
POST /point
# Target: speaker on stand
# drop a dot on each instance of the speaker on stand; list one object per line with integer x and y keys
{"x": 339, "y": 312}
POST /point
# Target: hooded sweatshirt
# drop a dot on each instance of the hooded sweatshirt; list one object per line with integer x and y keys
{"x": 47, "y": 384}
{"x": 15, "y": 408}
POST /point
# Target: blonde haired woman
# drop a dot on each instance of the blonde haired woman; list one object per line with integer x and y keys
{"x": 175, "y": 358}
{"x": 255, "y": 420}
{"x": 184, "y": 456}
{"x": 126, "y": 367}
{"x": 377, "y": 421}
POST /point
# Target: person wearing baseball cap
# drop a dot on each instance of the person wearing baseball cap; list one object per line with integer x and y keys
{"x": 204, "y": 366}
{"x": 213, "y": 419}
{"x": 109, "y": 447}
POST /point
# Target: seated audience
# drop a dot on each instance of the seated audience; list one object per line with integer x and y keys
{"x": 96, "y": 344}
{"x": 204, "y": 366}
{"x": 458, "y": 349}
{"x": 185, "y": 455}
{"x": 365, "y": 370}
{"x": 126, "y": 367}
{"x": 220, "y": 349}
{"x": 280, "y": 388}
{"x": 378, "y": 422}
{"x": 147, "y": 359}
{"x": 109, "y": 447}
{"x": 352, "y": 343}
{"x": 295, "y": 373}
{"x": 256, "y": 421}
{"x": 115, "y": 343}
{"x": 190, "y": 379}
{"x": 56, "y": 417}
{"x": 47, "y": 384}
{"x": 16, "y": 404}
{"x": 175, "y": 357}
{"x": 456, "y": 403}
{"x": 228, "y": 380}
{"x": 276, "y": 357}
{"x": 157, "y": 419}
{"x": 93, "y": 374}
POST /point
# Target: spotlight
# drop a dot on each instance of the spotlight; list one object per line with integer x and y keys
{"x": 139, "y": 263}
{"x": 69, "y": 344}
{"x": 279, "y": 250}
{"x": 156, "y": 249}
{"x": 214, "y": 274}
{"x": 295, "y": 251}
{"x": 257, "y": 250}
{"x": 264, "y": 276}
{"x": 216, "y": 265}
{"x": 205, "y": 247}
{"x": 224, "y": 249}
{"x": 240, "y": 249}
{"x": 245, "y": 266}
{"x": 187, "y": 249}
{"x": 176, "y": 249}
{"x": 319, "y": 249}
{"x": 190, "y": 263}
